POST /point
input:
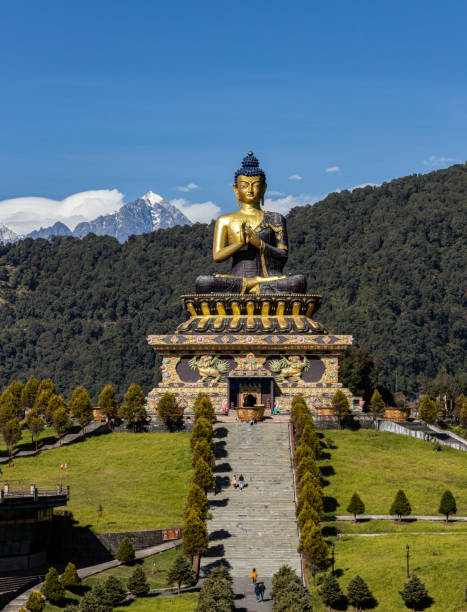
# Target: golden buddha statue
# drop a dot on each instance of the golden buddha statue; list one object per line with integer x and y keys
{"x": 255, "y": 239}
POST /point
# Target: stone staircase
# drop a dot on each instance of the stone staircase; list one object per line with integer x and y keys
{"x": 254, "y": 527}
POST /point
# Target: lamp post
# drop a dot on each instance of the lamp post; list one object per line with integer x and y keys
{"x": 332, "y": 557}
{"x": 407, "y": 551}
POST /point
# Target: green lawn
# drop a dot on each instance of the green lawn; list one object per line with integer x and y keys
{"x": 180, "y": 603}
{"x": 393, "y": 527}
{"x": 440, "y": 561}
{"x": 377, "y": 464}
{"x": 157, "y": 577}
{"x": 140, "y": 480}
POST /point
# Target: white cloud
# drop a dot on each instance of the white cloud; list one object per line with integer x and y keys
{"x": 23, "y": 215}
{"x": 187, "y": 188}
{"x": 203, "y": 212}
{"x": 436, "y": 160}
{"x": 362, "y": 185}
{"x": 333, "y": 169}
{"x": 295, "y": 177}
{"x": 276, "y": 193}
{"x": 284, "y": 204}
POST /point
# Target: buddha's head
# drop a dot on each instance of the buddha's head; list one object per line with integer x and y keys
{"x": 250, "y": 182}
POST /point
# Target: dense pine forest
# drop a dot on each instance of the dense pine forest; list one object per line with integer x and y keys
{"x": 389, "y": 262}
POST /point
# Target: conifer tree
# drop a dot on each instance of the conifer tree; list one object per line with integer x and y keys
{"x": 42, "y": 404}
{"x": 308, "y": 464}
{"x": 203, "y": 408}
{"x": 35, "y": 602}
{"x": 307, "y": 513}
{"x": 196, "y": 500}
{"x": 61, "y": 422}
{"x": 463, "y": 413}
{"x": 195, "y": 538}
{"x": 202, "y": 430}
{"x": 400, "y": 506}
{"x": 356, "y": 506}
{"x": 81, "y": 407}
{"x": 415, "y": 594}
{"x": 29, "y": 393}
{"x": 70, "y": 578}
{"x": 54, "y": 403}
{"x": 377, "y": 405}
{"x": 125, "y": 552}
{"x": 170, "y": 412}
{"x": 52, "y": 589}
{"x": 11, "y": 433}
{"x": 108, "y": 405}
{"x": 359, "y": 594}
{"x": 115, "y": 592}
{"x": 203, "y": 475}
{"x": 314, "y": 548}
{"x": 313, "y": 496}
{"x": 137, "y": 583}
{"x": 330, "y": 591}
{"x": 180, "y": 572}
{"x": 301, "y": 452}
{"x": 447, "y": 505}
{"x": 340, "y": 406}
{"x": 35, "y": 424}
{"x": 15, "y": 389}
{"x": 133, "y": 409}
{"x": 8, "y": 407}
{"x": 310, "y": 438}
{"x": 203, "y": 449}
{"x": 427, "y": 411}
{"x": 95, "y": 600}
{"x": 308, "y": 477}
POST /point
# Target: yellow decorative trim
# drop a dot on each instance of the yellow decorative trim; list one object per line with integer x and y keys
{"x": 296, "y": 308}
{"x": 220, "y": 308}
{"x": 205, "y": 308}
{"x": 280, "y": 308}
{"x": 250, "y": 308}
{"x": 235, "y": 308}
{"x": 265, "y": 309}
{"x": 191, "y": 309}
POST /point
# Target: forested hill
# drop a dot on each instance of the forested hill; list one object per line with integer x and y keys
{"x": 389, "y": 262}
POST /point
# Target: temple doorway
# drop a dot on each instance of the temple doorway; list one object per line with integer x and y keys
{"x": 247, "y": 392}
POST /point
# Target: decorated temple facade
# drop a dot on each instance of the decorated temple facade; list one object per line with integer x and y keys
{"x": 250, "y": 338}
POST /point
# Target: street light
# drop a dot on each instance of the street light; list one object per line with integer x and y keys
{"x": 407, "y": 551}
{"x": 332, "y": 558}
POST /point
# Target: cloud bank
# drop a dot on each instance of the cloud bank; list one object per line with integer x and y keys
{"x": 203, "y": 212}
{"x": 436, "y": 160}
{"x": 284, "y": 204}
{"x": 187, "y": 188}
{"x": 332, "y": 169}
{"x": 295, "y": 177}
{"x": 23, "y": 215}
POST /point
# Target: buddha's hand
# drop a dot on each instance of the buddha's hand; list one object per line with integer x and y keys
{"x": 252, "y": 237}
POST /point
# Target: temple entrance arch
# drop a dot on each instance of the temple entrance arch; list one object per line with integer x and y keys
{"x": 249, "y": 391}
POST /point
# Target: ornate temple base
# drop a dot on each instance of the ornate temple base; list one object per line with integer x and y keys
{"x": 250, "y": 351}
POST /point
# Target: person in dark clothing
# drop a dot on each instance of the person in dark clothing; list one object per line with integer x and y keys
{"x": 241, "y": 482}
{"x": 257, "y": 591}
{"x": 261, "y": 588}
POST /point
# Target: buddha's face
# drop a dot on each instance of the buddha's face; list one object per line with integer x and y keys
{"x": 250, "y": 189}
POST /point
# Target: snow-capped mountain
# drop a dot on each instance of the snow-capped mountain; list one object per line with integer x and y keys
{"x": 145, "y": 214}
{"x": 8, "y": 235}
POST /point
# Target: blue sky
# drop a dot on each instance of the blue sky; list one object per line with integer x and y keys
{"x": 132, "y": 96}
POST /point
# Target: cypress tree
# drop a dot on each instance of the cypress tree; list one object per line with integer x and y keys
{"x": 314, "y": 548}
{"x": 115, "y": 592}
{"x": 203, "y": 449}
{"x": 170, "y": 412}
{"x": 203, "y": 408}
{"x": 203, "y": 475}
{"x": 310, "y": 438}
{"x": 359, "y": 594}
{"x": 307, "y": 513}
{"x": 29, "y": 393}
{"x": 137, "y": 583}
{"x": 400, "y": 506}
{"x": 125, "y": 552}
{"x": 301, "y": 452}
{"x": 133, "y": 409}
{"x": 195, "y": 538}
{"x": 377, "y": 405}
{"x": 202, "y": 430}
{"x": 180, "y": 572}
{"x": 196, "y": 500}
{"x": 331, "y": 592}
{"x": 415, "y": 593}
{"x": 313, "y": 496}
{"x": 81, "y": 407}
{"x": 447, "y": 505}
{"x": 107, "y": 404}
{"x": 356, "y": 506}
{"x": 35, "y": 602}
{"x": 70, "y": 578}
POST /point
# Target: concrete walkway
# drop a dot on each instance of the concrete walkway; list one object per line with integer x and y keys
{"x": 245, "y": 598}
{"x": 85, "y": 572}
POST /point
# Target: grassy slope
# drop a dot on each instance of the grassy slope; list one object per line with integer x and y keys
{"x": 440, "y": 561}
{"x": 377, "y": 464}
{"x": 140, "y": 480}
{"x": 180, "y": 603}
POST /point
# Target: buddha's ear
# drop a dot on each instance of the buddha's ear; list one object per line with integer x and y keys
{"x": 235, "y": 188}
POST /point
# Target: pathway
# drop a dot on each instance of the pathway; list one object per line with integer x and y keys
{"x": 254, "y": 527}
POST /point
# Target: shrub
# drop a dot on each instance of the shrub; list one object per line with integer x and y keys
{"x": 301, "y": 452}
{"x": 115, "y": 593}
{"x": 331, "y": 592}
{"x": 203, "y": 408}
{"x": 70, "y": 577}
{"x": 52, "y": 589}
{"x": 447, "y": 505}
{"x": 95, "y": 600}
{"x": 313, "y": 547}
{"x": 415, "y": 594}
{"x": 125, "y": 552}
{"x": 359, "y": 594}
{"x": 308, "y": 464}
{"x": 137, "y": 583}
{"x": 216, "y": 592}
{"x": 35, "y": 602}
{"x": 170, "y": 412}
{"x": 288, "y": 592}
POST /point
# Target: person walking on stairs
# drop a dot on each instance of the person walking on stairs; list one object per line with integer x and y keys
{"x": 234, "y": 482}
{"x": 254, "y": 575}
{"x": 261, "y": 588}
{"x": 257, "y": 591}
{"x": 240, "y": 482}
